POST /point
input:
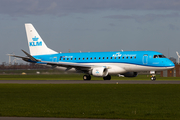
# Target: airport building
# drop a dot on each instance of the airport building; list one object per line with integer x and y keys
{"x": 172, "y": 72}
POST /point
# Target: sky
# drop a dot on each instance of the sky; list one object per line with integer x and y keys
{"x": 91, "y": 25}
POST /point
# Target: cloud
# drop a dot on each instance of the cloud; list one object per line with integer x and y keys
{"x": 112, "y": 24}
{"x": 173, "y": 27}
{"x": 63, "y": 7}
{"x": 144, "y": 18}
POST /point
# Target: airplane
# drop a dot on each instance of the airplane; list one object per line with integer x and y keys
{"x": 98, "y": 64}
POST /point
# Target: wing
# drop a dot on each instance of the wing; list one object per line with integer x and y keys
{"x": 68, "y": 65}
{"x": 29, "y": 58}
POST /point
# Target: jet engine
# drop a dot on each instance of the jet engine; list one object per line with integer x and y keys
{"x": 130, "y": 74}
{"x": 99, "y": 72}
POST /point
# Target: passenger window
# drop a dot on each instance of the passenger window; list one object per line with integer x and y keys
{"x": 114, "y": 57}
{"x": 60, "y": 59}
{"x": 79, "y": 58}
{"x": 131, "y": 57}
{"x": 91, "y": 58}
{"x": 122, "y": 57}
{"x": 74, "y": 58}
{"x": 126, "y": 57}
{"x": 67, "y": 58}
{"x": 71, "y": 58}
{"x": 95, "y": 58}
{"x": 107, "y": 58}
{"x": 63, "y": 58}
{"x": 87, "y": 58}
{"x": 103, "y": 57}
{"x": 118, "y": 57}
{"x": 111, "y": 57}
{"x": 83, "y": 58}
{"x": 134, "y": 57}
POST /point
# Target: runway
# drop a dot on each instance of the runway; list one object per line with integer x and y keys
{"x": 33, "y": 118}
{"x": 86, "y": 82}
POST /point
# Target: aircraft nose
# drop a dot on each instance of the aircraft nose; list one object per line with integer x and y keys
{"x": 170, "y": 64}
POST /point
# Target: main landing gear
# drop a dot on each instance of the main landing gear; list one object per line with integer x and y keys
{"x": 108, "y": 77}
{"x": 153, "y": 75}
{"x": 88, "y": 77}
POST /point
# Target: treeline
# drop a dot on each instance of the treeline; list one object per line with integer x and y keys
{"x": 5, "y": 66}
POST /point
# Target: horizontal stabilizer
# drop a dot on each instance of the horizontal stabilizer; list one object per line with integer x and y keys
{"x": 18, "y": 56}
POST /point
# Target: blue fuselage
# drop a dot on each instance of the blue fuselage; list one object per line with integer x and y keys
{"x": 129, "y": 60}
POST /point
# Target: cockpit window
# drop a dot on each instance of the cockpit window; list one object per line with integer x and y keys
{"x": 162, "y": 56}
{"x": 155, "y": 56}
{"x": 159, "y": 56}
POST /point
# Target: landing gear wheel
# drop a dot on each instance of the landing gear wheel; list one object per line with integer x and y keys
{"x": 108, "y": 77}
{"x": 86, "y": 77}
{"x": 153, "y": 75}
{"x": 153, "y": 78}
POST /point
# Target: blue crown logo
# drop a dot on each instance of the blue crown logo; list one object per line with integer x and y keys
{"x": 35, "y": 38}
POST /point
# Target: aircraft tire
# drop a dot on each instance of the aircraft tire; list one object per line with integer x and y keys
{"x": 86, "y": 77}
{"x": 108, "y": 77}
{"x": 153, "y": 78}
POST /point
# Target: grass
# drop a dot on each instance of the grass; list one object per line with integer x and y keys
{"x": 30, "y": 71}
{"x": 52, "y": 74}
{"x": 42, "y": 77}
{"x": 76, "y": 77}
{"x": 122, "y": 101}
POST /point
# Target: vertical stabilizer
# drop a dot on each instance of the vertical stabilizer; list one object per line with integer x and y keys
{"x": 35, "y": 42}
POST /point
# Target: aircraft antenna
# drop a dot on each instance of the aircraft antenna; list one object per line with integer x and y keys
{"x": 178, "y": 56}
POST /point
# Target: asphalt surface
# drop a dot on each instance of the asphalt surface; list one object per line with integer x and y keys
{"x": 32, "y": 118}
{"x": 86, "y": 82}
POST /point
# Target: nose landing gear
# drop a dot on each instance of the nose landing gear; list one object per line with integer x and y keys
{"x": 153, "y": 75}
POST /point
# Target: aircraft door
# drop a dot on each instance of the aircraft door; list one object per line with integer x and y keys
{"x": 145, "y": 59}
{"x": 54, "y": 59}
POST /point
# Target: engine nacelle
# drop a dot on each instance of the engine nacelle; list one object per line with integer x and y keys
{"x": 100, "y": 72}
{"x": 130, "y": 74}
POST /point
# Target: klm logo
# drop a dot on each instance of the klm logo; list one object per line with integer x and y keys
{"x": 97, "y": 72}
{"x": 35, "y": 42}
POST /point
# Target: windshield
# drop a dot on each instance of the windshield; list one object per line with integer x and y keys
{"x": 159, "y": 56}
{"x": 162, "y": 56}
